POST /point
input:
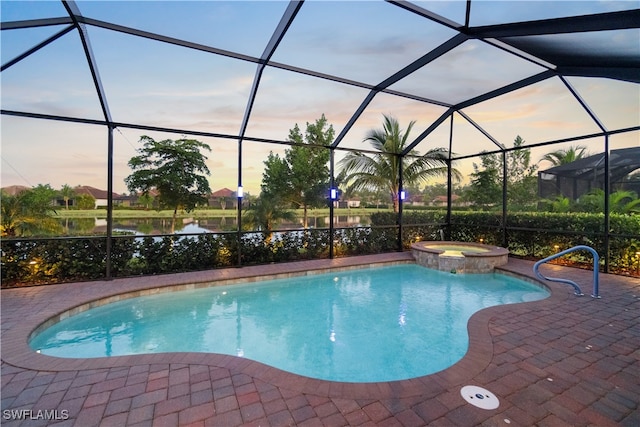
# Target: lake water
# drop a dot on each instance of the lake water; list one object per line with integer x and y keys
{"x": 157, "y": 226}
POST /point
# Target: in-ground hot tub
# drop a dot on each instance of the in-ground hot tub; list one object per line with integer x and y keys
{"x": 459, "y": 257}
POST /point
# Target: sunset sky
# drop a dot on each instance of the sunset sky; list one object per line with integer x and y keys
{"x": 162, "y": 85}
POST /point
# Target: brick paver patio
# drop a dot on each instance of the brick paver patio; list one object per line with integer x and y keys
{"x": 563, "y": 361}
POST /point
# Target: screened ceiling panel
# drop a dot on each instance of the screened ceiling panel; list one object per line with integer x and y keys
{"x": 388, "y": 39}
{"x": 239, "y": 26}
{"x": 456, "y": 84}
{"x": 22, "y": 10}
{"x": 192, "y": 90}
{"x": 438, "y": 138}
{"x": 603, "y": 48}
{"x": 557, "y": 115}
{"x": 615, "y": 103}
{"x": 14, "y": 43}
{"x": 404, "y": 110}
{"x": 502, "y": 12}
{"x": 54, "y": 80}
{"x": 469, "y": 140}
{"x": 286, "y": 98}
{"x": 452, "y": 10}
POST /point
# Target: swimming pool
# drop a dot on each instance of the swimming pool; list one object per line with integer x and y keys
{"x": 375, "y": 324}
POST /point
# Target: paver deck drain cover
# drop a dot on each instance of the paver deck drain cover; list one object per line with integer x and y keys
{"x": 479, "y": 397}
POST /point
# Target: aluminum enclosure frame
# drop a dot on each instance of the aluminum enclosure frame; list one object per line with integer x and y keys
{"x": 514, "y": 38}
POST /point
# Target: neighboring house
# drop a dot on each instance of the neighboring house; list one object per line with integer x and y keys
{"x": 415, "y": 200}
{"x": 127, "y": 200}
{"x": 348, "y": 203}
{"x": 442, "y": 200}
{"x": 223, "y": 199}
{"x": 101, "y": 196}
{"x": 353, "y": 203}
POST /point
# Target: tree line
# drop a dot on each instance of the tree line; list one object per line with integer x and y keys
{"x": 174, "y": 173}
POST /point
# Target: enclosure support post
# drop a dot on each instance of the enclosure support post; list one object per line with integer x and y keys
{"x": 607, "y": 192}
{"x": 239, "y": 208}
{"x": 109, "y": 203}
{"x": 331, "y": 200}
{"x": 400, "y": 191}
{"x": 449, "y": 183}
{"x": 505, "y": 240}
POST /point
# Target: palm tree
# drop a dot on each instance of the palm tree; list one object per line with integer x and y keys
{"x": 624, "y": 202}
{"x": 621, "y": 202}
{"x": 562, "y": 157}
{"x": 558, "y": 204}
{"x": 265, "y": 213}
{"x": 381, "y": 171}
{"x": 67, "y": 193}
{"x": 24, "y": 214}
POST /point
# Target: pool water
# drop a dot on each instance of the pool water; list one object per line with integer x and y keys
{"x": 374, "y": 324}
{"x": 453, "y": 250}
{"x": 458, "y": 248}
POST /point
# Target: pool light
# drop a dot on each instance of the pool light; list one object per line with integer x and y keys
{"x": 333, "y": 194}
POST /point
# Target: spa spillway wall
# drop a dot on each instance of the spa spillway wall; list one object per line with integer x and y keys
{"x": 459, "y": 257}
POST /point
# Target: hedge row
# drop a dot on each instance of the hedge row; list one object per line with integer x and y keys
{"x": 529, "y": 235}
{"x": 45, "y": 261}
{"x": 533, "y": 235}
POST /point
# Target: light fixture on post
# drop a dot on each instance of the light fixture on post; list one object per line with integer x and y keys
{"x": 403, "y": 195}
{"x": 333, "y": 194}
{"x": 240, "y": 192}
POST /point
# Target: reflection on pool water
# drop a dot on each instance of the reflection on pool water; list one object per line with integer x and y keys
{"x": 375, "y": 324}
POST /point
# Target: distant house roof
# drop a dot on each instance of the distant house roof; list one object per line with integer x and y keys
{"x": 223, "y": 192}
{"x": 443, "y": 199}
{"x": 12, "y": 190}
{"x": 96, "y": 193}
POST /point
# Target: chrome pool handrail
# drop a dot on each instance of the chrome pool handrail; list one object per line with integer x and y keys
{"x": 596, "y": 263}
